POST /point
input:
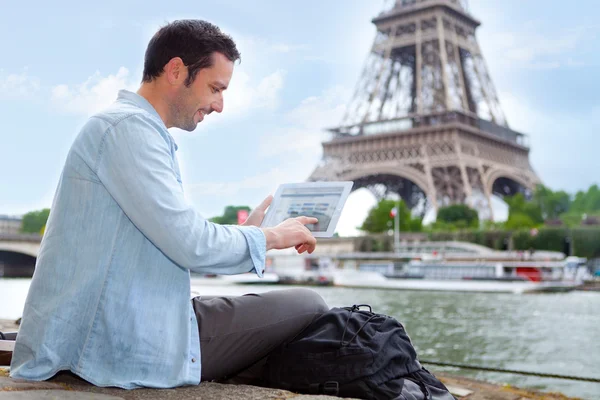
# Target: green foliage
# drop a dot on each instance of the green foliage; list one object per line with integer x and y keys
{"x": 551, "y": 204}
{"x": 457, "y": 216}
{"x": 229, "y": 216}
{"x": 495, "y": 239}
{"x": 379, "y": 219}
{"x": 523, "y": 240}
{"x": 491, "y": 225}
{"x": 571, "y": 219}
{"x": 587, "y": 202}
{"x": 525, "y": 215}
{"x": 34, "y": 221}
{"x": 518, "y": 220}
{"x": 415, "y": 224}
{"x": 518, "y": 207}
{"x": 586, "y": 242}
{"x": 552, "y": 239}
{"x": 441, "y": 226}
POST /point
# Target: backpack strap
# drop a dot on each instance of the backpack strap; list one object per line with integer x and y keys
{"x": 331, "y": 388}
{"x": 422, "y": 386}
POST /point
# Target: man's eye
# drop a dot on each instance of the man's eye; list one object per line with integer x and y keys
{"x": 215, "y": 90}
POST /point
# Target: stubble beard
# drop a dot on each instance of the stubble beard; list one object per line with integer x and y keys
{"x": 182, "y": 114}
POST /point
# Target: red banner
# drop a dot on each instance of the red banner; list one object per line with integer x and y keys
{"x": 242, "y": 216}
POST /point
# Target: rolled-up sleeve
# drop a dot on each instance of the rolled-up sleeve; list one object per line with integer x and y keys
{"x": 136, "y": 166}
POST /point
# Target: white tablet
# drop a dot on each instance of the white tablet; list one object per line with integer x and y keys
{"x": 322, "y": 200}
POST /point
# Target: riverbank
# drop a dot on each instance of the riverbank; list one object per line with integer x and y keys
{"x": 67, "y": 386}
{"x": 590, "y": 286}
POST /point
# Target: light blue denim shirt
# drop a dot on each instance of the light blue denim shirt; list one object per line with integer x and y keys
{"x": 110, "y": 296}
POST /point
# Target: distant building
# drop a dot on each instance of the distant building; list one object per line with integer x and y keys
{"x": 10, "y": 224}
{"x": 590, "y": 220}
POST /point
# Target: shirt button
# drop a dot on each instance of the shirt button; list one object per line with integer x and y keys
{"x": 193, "y": 360}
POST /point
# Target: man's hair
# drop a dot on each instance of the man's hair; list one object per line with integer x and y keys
{"x": 194, "y": 41}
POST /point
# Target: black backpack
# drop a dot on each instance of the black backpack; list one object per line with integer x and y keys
{"x": 349, "y": 352}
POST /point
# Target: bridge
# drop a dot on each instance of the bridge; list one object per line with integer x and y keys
{"x": 18, "y": 253}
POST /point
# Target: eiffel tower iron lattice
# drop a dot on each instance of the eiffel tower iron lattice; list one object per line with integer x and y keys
{"x": 425, "y": 122}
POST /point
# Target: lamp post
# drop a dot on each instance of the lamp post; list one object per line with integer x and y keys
{"x": 396, "y": 214}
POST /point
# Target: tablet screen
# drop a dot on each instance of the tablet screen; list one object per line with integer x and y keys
{"x": 309, "y": 202}
{"x": 322, "y": 202}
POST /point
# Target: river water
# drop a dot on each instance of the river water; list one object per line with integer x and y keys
{"x": 551, "y": 333}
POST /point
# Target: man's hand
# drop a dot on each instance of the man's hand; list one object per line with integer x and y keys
{"x": 258, "y": 214}
{"x": 292, "y": 232}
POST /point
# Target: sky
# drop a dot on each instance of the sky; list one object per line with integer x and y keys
{"x": 63, "y": 61}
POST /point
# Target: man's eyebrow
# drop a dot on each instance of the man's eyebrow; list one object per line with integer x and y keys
{"x": 220, "y": 85}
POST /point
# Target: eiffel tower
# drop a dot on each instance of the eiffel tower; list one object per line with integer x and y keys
{"x": 425, "y": 122}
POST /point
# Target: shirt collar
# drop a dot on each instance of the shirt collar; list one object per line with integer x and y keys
{"x": 141, "y": 102}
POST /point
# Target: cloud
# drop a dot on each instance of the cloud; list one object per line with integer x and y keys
{"x": 260, "y": 47}
{"x": 263, "y": 180}
{"x": 288, "y": 48}
{"x": 529, "y": 46}
{"x": 537, "y": 47}
{"x": 563, "y": 145}
{"x": 97, "y": 92}
{"x": 304, "y": 125}
{"x": 91, "y": 96}
{"x": 19, "y": 85}
{"x": 299, "y": 139}
{"x": 243, "y": 95}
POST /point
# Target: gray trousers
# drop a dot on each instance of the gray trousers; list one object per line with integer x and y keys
{"x": 237, "y": 333}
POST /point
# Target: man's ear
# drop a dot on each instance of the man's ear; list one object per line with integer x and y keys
{"x": 175, "y": 71}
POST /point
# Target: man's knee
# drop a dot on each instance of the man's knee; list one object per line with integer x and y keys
{"x": 309, "y": 300}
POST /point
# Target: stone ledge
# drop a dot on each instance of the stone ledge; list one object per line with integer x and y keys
{"x": 70, "y": 387}
{"x": 9, "y": 325}
{"x": 67, "y": 386}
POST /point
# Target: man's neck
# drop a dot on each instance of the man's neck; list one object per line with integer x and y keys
{"x": 150, "y": 92}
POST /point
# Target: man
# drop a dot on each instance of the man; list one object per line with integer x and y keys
{"x": 110, "y": 297}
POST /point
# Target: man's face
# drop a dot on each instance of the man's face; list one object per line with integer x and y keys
{"x": 203, "y": 96}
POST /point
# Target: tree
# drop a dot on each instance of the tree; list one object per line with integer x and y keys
{"x": 519, "y": 207}
{"x": 587, "y": 202}
{"x": 380, "y": 220}
{"x": 552, "y": 204}
{"x": 519, "y": 220}
{"x": 33, "y": 221}
{"x": 458, "y": 215}
{"x": 229, "y": 216}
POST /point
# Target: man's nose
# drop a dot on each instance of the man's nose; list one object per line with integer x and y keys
{"x": 217, "y": 105}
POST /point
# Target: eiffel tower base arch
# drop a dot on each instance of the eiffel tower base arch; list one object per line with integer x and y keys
{"x": 445, "y": 166}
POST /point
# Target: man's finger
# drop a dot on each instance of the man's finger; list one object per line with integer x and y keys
{"x": 311, "y": 241}
{"x": 265, "y": 203}
{"x": 307, "y": 220}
